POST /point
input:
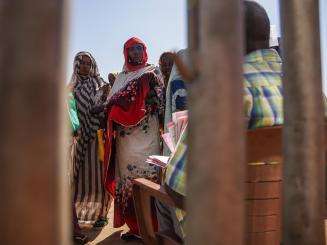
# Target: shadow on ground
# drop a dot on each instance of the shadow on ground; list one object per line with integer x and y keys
{"x": 114, "y": 239}
{"x": 108, "y": 235}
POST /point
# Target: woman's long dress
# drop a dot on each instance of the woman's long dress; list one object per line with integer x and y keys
{"x": 133, "y": 147}
{"x": 91, "y": 199}
{"x": 135, "y": 119}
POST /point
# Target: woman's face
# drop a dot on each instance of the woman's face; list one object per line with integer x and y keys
{"x": 135, "y": 54}
{"x": 85, "y": 66}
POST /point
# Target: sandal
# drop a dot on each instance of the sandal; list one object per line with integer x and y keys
{"x": 127, "y": 237}
{"x": 100, "y": 223}
{"x": 80, "y": 238}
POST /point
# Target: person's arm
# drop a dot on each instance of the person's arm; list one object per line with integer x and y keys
{"x": 120, "y": 101}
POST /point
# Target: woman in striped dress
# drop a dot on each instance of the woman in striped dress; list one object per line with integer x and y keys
{"x": 90, "y": 199}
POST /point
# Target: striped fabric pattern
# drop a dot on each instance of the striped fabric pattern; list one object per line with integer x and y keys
{"x": 263, "y": 100}
{"x": 91, "y": 200}
{"x": 84, "y": 94}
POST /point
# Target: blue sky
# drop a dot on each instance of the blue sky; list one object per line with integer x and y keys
{"x": 272, "y": 7}
{"x": 102, "y": 27}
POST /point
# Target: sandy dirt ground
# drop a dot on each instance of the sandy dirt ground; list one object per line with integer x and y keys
{"x": 108, "y": 235}
{"x": 111, "y": 236}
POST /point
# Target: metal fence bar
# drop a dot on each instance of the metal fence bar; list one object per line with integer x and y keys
{"x": 216, "y": 169}
{"x": 303, "y": 134}
{"x": 34, "y": 207}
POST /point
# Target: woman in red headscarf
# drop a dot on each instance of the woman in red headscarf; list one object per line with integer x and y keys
{"x": 134, "y": 108}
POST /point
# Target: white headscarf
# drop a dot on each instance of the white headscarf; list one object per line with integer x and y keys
{"x": 125, "y": 77}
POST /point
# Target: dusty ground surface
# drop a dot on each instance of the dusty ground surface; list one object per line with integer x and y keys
{"x": 108, "y": 235}
{"x": 111, "y": 236}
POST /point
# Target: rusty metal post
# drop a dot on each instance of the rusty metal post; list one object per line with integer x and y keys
{"x": 303, "y": 222}
{"x": 216, "y": 168}
{"x": 34, "y": 207}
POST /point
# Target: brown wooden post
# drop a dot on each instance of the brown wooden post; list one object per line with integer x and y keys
{"x": 303, "y": 192}
{"x": 34, "y": 207}
{"x": 216, "y": 168}
{"x": 193, "y": 35}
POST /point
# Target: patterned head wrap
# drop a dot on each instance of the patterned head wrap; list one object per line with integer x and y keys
{"x": 76, "y": 77}
{"x": 85, "y": 90}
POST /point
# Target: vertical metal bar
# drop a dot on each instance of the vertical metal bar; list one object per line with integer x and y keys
{"x": 303, "y": 135}
{"x": 34, "y": 207}
{"x": 216, "y": 169}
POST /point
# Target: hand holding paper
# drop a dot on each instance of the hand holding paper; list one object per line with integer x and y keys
{"x": 175, "y": 129}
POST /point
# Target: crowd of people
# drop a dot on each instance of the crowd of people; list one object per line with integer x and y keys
{"x": 117, "y": 125}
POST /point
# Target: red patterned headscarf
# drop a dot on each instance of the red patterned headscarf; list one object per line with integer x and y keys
{"x": 130, "y": 43}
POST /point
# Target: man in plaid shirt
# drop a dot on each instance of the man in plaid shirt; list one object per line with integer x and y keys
{"x": 262, "y": 104}
{"x": 263, "y": 100}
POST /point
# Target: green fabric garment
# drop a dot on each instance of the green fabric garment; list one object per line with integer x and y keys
{"x": 72, "y": 110}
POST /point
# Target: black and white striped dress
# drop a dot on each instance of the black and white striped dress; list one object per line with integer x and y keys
{"x": 91, "y": 200}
